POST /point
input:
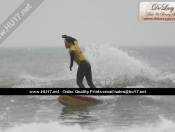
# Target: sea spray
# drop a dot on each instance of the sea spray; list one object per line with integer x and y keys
{"x": 163, "y": 125}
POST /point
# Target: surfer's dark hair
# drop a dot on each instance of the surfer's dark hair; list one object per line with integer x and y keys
{"x": 69, "y": 39}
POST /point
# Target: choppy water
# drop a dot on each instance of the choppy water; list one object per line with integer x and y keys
{"x": 111, "y": 67}
{"x": 115, "y": 114}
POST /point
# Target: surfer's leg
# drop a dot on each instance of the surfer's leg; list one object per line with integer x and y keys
{"x": 89, "y": 77}
{"x": 81, "y": 73}
{"x": 80, "y": 77}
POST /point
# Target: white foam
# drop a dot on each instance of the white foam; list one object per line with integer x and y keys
{"x": 108, "y": 61}
{"x": 137, "y": 86}
{"x": 50, "y": 98}
{"x": 167, "y": 75}
{"x": 47, "y": 127}
{"x": 164, "y": 125}
{"x": 113, "y": 64}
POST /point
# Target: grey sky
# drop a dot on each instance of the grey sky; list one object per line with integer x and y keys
{"x": 89, "y": 21}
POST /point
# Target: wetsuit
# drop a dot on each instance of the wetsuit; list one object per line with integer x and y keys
{"x": 84, "y": 68}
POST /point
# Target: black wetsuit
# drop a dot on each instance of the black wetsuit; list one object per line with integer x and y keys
{"x": 84, "y": 70}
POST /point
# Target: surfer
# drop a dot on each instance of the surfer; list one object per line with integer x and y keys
{"x": 84, "y": 67}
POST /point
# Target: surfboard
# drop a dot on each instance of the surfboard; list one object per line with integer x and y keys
{"x": 75, "y": 100}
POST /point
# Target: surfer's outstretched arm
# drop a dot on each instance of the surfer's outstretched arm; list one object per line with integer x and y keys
{"x": 71, "y": 59}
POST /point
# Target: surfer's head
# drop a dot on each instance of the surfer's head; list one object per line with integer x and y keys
{"x": 68, "y": 41}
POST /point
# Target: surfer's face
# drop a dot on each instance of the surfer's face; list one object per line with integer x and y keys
{"x": 67, "y": 44}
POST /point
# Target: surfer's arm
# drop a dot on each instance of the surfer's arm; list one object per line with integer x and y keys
{"x": 71, "y": 59}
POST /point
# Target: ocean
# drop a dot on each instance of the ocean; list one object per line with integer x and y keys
{"x": 116, "y": 114}
{"x": 116, "y": 67}
{"x": 121, "y": 67}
